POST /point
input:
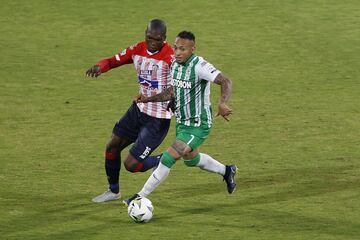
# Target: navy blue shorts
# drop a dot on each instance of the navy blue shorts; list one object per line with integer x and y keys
{"x": 146, "y": 132}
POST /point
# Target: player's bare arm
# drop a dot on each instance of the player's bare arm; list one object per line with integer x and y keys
{"x": 226, "y": 87}
{"x": 94, "y": 71}
{"x": 164, "y": 96}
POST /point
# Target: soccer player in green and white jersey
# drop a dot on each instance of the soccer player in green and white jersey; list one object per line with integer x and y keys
{"x": 191, "y": 78}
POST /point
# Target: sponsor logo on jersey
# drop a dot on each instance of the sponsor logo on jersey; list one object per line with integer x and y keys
{"x": 152, "y": 84}
{"x": 182, "y": 84}
{"x": 145, "y": 72}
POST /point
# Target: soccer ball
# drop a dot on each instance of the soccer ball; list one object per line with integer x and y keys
{"x": 140, "y": 210}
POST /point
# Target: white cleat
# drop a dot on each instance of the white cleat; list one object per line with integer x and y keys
{"x": 107, "y": 196}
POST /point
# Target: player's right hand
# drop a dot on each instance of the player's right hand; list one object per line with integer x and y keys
{"x": 139, "y": 98}
{"x": 94, "y": 71}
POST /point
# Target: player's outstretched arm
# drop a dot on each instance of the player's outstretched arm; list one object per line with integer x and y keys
{"x": 94, "y": 71}
{"x": 226, "y": 86}
{"x": 164, "y": 96}
{"x": 109, "y": 63}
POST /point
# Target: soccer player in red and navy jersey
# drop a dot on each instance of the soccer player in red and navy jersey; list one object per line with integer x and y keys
{"x": 144, "y": 124}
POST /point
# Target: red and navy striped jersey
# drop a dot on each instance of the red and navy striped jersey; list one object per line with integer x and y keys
{"x": 153, "y": 70}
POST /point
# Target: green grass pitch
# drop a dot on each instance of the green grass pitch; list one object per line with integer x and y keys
{"x": 295, "y": 131}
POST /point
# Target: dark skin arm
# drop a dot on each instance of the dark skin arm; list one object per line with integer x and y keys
{"x": 226, "y": 86}
{"x": 164, "y": 96}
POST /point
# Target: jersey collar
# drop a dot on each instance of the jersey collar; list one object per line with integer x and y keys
{"x": 150, "y": 53}
{"x": 189, "y": 60}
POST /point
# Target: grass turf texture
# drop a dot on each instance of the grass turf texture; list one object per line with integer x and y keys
{"x": 294, "y": 134}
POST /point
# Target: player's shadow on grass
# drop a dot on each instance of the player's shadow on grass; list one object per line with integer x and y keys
{"x": 277, "y": 186}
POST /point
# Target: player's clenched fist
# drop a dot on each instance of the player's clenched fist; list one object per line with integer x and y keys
{"x": 94, "y": 71}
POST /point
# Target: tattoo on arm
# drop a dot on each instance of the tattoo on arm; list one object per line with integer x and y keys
{"x": 226, "y": 87}
{"x": 162, "y": 97}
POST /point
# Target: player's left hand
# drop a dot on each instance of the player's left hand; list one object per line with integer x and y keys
{"x": 224, "y": 111}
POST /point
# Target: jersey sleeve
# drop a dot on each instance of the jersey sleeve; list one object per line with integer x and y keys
{"x": 206, "y": 70}
{"x": 124, "y": 57}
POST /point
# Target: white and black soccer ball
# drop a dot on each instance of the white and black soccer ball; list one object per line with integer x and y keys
{"x": 140, "y": 210}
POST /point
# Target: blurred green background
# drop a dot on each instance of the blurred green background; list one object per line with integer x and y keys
{"x": 294, "y": 133}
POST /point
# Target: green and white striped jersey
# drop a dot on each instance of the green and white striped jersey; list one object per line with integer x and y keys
{"x": 191, "y": 83}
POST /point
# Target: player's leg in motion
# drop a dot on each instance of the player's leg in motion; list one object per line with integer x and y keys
{"x": 112, "y": 168}
{"x": 151, "y": 135}
{"x": 206, "y": 162}
{"x": 167, "y": 160}
{"x": 192, "y": 158}
{"x": 124, "y": 132}
{"x": 113, "y": 161}
{"x": 195, "y": 137}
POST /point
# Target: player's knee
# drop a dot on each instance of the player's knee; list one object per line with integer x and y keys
{"x": 110, "y": 147}
{"x": 192, "y": 162}
{"x": 167, "y": 159}
{"x": 130, "y": 166}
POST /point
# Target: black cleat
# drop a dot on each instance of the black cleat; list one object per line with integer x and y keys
{"x": 229, "y": 177}
{"x": 128, "y": 200}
